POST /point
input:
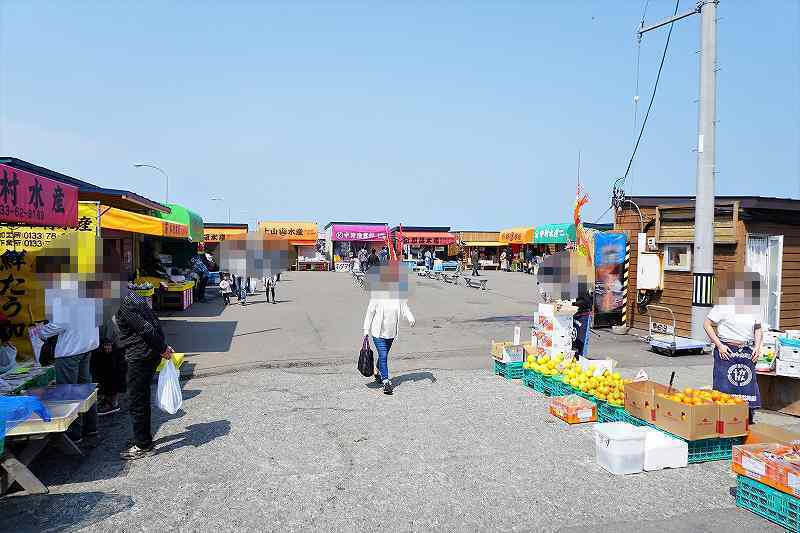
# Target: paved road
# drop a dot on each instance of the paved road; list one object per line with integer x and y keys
{"x": 267, "y": 442}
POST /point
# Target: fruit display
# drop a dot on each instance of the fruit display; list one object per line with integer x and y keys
{"x": 546, "y": 365}
{"x": 573, "y": 409}
{"x": 702, "y": 397}
{"x": 608, "y": 387}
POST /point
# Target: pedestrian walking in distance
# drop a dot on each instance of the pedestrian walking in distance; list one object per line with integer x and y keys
{"x": 142, "y": 338}
{"x": 382, "y": 321}
{"x": 269, "y": 286}
{"x": 474, "y": 259}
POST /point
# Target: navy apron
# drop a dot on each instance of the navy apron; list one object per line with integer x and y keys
{"x": 737, "y": 375}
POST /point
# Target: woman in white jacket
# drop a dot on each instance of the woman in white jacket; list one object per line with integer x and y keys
{"x": 382, "y": 321}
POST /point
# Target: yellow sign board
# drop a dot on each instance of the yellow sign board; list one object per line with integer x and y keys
{"x": 288, "y": 231}
{"x": 21, "y": 294}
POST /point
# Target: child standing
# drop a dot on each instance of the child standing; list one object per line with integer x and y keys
{"x": 225, "y": 288}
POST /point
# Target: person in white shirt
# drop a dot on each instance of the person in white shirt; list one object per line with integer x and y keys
{"x": 734, "y": 327}
{"x": 225, "y": 289}
{"x": 382, "y": 321}
{"x": 74, "y": 320}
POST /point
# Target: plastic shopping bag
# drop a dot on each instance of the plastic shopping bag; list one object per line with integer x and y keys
{"x": 8, "y": 358}
{"x": 168, "y": 395}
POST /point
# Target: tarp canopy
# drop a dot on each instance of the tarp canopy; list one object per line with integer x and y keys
{"x": 188, "y": 218}
{"x": 483, "y": 244}
{"x": 118, "y": 219}
{"x": 523, "y": 235}
{"x": 554, "y": 234}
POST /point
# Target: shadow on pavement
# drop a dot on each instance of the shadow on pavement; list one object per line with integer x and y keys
{"x": 257, "y": 332}
{"x": 199, "y": 337}
{"x": 210, "y": 308}
{"x": 60, "y": 512}
{"x": 510, "y": 318}
{"x": 413, "y": 376}
{"x": 195, "y": 435}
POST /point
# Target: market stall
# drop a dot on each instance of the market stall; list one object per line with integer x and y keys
{"x": 164, "y": 251}
{"x": 486, "y": 243}
{"x": 519, "y": 244}
{"x": 305, "y": 250}
{"x": 551, "y": 238}
{"x": 345, "y": 239}
{"x": 416, "y": 240}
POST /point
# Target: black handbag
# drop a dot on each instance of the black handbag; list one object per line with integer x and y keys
{"x": 47, "y": 355}
{"x": 366, "y": 361}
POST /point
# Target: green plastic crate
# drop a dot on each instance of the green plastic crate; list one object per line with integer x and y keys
{"x": 774, "y": 505}
{"x": 529, "y": 378}
{"x": 508, "y": 370}
{"x": 558, "y": 387}
{"x": 701, "y": 451}
{"x": 611, "y": 413}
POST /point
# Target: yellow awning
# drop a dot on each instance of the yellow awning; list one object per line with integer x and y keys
{"x": 522, "y": 235}
{"x": 483, "y": 244}
{"x": 119, "y": 219}
{"x": 289, "y": 231}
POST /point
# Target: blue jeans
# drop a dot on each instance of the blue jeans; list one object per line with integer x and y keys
{"x": 73, "y": 370}
{"x": 383, "y": 346}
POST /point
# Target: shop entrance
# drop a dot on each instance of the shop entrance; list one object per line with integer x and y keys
{"x": 765, "y": 256}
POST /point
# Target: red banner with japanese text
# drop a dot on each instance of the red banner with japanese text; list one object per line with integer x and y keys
{"x": 34, "y": 200}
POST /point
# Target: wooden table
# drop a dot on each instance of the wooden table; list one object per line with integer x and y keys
{"x": 34, "y": 434}
{"x": 779, "y": 393}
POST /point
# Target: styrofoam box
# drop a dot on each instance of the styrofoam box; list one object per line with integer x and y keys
{"x": 619, "y": 447}
{"x": 662, "y": 451}
{"x": 787, "y": 368}
{"x": 789, "y": 353}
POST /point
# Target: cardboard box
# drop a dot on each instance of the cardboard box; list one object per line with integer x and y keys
{"x": 497, "y": 349}
{"x": 513, "y": 353}
{"x": 573, "y": 409}
{"x": 766, "y": 433}
{"x": 640, "y": 398}
{"x": 776, "y": 465}
{"x": 732, "y": 420}
{"x": 692, "y": 422}
{"x": 787, "y": 368}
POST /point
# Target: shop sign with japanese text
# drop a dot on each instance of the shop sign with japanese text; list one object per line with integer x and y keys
{"x": 34, "y": 200}
{"x": 346, "y": 232}
{"x": 290, "y": 231}
{"x": 20, "y": 289}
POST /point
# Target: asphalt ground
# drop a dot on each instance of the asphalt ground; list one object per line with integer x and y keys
{"x": 280, "y": 433}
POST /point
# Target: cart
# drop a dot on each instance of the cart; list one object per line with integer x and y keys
{"x": 663, "y": 340}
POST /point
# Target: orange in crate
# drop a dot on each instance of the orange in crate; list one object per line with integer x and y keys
{"x": 776, "y": 465}
{"x": 573, "y": 409}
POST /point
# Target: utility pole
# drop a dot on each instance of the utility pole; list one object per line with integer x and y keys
{"x": 703, "y": 256}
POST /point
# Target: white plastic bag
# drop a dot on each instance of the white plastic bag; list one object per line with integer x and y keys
{"x": 8, "y": 358}
{"x": 168, "y": 396}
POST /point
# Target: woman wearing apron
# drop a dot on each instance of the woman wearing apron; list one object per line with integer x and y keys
{"x": 734, "y": 326}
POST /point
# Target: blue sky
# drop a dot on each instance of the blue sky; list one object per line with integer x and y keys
{"x": 468, "y": 114}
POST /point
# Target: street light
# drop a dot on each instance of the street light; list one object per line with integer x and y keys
{"x": 229, "y": 207}
{"x": 140, "y": 165}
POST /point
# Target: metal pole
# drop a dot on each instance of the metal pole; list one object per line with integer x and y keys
{"x": 703, "y": 260}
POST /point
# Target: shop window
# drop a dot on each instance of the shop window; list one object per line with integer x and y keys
{"x": 678, "y": 257}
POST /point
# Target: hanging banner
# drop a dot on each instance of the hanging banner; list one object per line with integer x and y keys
{"x": 35, "y": 200}
{"x": 609, "y": 259}
{"x": 19, "y": 288}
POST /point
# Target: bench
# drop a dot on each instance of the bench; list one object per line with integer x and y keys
{"x": 450, "y": 278}
{"x": 475, "y": 282}
{"x": 432, "y": 274}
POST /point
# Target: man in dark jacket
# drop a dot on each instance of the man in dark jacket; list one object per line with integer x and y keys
{"x": 474, "y": 259}
{"x": 142, "y": 338}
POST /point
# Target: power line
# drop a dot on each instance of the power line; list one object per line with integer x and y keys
{"x": 621, "y": 181}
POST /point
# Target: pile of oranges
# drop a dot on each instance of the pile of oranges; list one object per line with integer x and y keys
{"x": 702, "y": 397}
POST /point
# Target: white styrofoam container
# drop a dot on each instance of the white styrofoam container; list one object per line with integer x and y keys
{"x": 662, "y": 451}
{"x": 787, "y": 368}
{"x": 789, "y": 353}
{"x": 619, "y": 447}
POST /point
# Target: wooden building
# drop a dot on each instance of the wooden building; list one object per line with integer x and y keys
{"x": 487, "y": 243}
{"x": 750, "y": 232}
